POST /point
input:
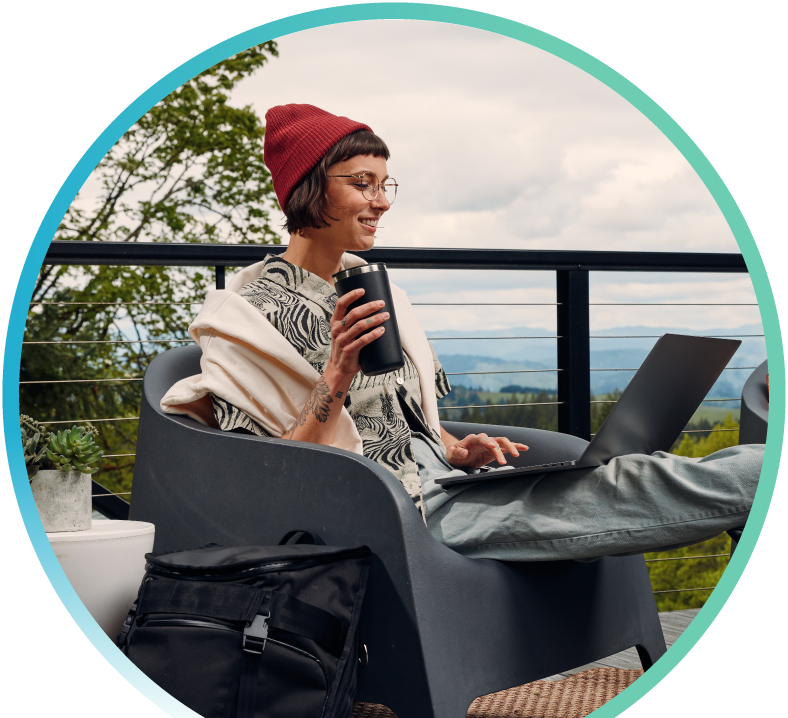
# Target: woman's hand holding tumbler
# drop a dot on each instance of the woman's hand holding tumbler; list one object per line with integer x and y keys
{"x": 352, "y": 331}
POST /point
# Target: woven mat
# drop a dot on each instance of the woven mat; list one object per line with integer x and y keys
{"x": 572, "y": 697}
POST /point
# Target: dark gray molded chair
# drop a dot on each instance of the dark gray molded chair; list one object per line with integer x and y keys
{"x": 754, "y": 418}
{"x": 441, "y": 629}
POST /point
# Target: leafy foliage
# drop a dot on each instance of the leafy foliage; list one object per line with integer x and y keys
{"x": 726, "y": 434}
{"x": 190, "y": 170}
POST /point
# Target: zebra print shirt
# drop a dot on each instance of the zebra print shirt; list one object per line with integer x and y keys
{"x": 384, "y": 408}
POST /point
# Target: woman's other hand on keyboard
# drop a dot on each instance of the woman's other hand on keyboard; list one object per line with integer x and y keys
{"x": 476, "y": 450}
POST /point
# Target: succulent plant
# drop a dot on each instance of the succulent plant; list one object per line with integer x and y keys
{"x": 74, "y": 450}
{"x": 31, "y": 426}
{"x": 34, "y": 449}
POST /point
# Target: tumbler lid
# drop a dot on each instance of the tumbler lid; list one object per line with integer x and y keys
{"x": 362, "y": 269}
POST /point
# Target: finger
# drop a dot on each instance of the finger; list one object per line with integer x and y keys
{"x": 472, "y": 440}
{"x": 345, "y": 301}
{"x": 366, "y": 324}
{"x": 363, "y": 311}
{"x": 508, "y": 446}
{"x": 499, "y": 454}
{"x": 363, "y": 340}
{"x": 521, "y": 447}
{"x": 345, "y": 338}
{"x": 492, "y": 446}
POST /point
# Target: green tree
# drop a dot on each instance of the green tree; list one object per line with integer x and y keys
{"x": 673, "y": 572}
{"x": 189, "y": 170}
{"x": 720, "y": 437}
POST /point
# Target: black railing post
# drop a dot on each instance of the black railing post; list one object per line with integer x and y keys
{"x": 219, "y": 277}
{"x": 574, "y": 360}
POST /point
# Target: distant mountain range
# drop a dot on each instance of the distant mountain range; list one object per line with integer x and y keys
{"x": 485, "y": 353}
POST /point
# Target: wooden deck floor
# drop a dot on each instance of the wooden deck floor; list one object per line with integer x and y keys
{"x": 673, "y": 625}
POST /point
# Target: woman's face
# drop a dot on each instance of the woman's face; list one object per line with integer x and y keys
{"x": 356, "y": 216}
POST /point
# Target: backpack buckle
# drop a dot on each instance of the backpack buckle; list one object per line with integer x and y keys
{"x": 127, "y": 623}
{"x": 256, "y": 634}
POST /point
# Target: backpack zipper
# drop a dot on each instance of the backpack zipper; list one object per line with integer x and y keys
{"x": 194, "y": 623}
{"x": 219, "y": 575}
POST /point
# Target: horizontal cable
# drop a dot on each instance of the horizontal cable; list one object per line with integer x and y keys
{"x": 115, "y": 456}
{"x": 486, "y": 304}
{"x": 590, "y": 304}
{"x": 727, "y": 368}
{"x": 447, "y": 339}
{"x": 673, "y": 304}
{"x": 91, "y": 421}
{"x": 118, "y": 304}
{"x": 704, "y": 431}
{"x": 433, "y": 339}
{"x": 699, "y": 431}
{"x": 681, "y": 590}
{"x": 536, "y": 371}
{"x": 659, "y": 336}
{"x": 122, "y": 493}
{"x": 615, "y": 401}
{"x": 687, "y": 558}
{"x": 485, "y": 406}
{"x": 513, "y": 371}
{"x": 76, "y": 381}
{"x": 112, "y": 341}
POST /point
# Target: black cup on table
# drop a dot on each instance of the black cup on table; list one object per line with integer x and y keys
{"x": 385, "y": 353}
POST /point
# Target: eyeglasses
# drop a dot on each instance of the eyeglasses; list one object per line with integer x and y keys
{"x": 369, "y": 186}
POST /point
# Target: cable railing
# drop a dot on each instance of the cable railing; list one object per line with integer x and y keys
{"x": 572, "y": 303}
{"x": 571, "y": 397}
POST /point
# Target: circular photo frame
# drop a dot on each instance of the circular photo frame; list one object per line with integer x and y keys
{"x": 438, "y": 14}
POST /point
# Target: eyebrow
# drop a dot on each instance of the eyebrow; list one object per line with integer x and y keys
{"x": 372, "y": 173}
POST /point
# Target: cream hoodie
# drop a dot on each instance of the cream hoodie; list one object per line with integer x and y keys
{"x": 248, "y": 363}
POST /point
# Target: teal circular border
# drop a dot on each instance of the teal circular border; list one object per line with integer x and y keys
{"x": 396, "y": 11}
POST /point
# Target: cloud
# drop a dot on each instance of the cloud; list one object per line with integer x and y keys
{"x": 496, "y": 142}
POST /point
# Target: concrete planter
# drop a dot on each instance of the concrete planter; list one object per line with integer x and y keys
{"x": 63, "y": 500}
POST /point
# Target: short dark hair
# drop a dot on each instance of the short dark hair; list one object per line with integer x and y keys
{"x": 305, "y": 206}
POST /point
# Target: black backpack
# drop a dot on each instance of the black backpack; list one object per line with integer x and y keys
{"x": 252, "y": 631}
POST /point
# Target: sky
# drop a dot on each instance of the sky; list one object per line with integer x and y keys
{"x": 498, "y": 144}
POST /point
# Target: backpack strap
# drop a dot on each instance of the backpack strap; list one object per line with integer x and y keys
{"x": 224, "y": 601}
{"x": 278, "y": 610}
{"x": 255, "y": 637}
{"x": 298, "y": 536}
{"x": 246, "y": 604}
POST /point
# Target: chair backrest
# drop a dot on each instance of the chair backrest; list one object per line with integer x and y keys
{"x": 754, "y": 418}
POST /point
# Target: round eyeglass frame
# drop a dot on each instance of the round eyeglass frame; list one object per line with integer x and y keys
{"x": 388, "y": 182}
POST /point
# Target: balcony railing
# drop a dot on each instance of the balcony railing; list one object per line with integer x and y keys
{"x": 572, "y": 306}
{"x": 571, "y": 268}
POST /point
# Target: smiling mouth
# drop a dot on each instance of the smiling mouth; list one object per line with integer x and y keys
{"x": 371, "y": 223}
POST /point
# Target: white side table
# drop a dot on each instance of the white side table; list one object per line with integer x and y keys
{"x": 105, "y": 565}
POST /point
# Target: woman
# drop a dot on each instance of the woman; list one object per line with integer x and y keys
{"x": 331, "y": 178}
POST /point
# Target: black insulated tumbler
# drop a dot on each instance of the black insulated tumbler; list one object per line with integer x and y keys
{"x": 385, "y": 353}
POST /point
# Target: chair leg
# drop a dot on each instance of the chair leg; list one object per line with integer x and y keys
{"x": 650, "y": 653}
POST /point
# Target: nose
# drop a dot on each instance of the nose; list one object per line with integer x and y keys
{"x": 381, "y": 201}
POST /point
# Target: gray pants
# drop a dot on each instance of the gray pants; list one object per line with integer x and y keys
{"x": 634, "y": 504}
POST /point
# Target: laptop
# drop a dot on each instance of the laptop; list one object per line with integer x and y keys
{"x": 651, "y": 413}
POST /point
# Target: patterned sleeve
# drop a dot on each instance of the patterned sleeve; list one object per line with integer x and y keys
{"x": 231, "y": 418}
{"x": 442, "y": 386}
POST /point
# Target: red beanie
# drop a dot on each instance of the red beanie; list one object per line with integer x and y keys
{"x": 297, "y": 137}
